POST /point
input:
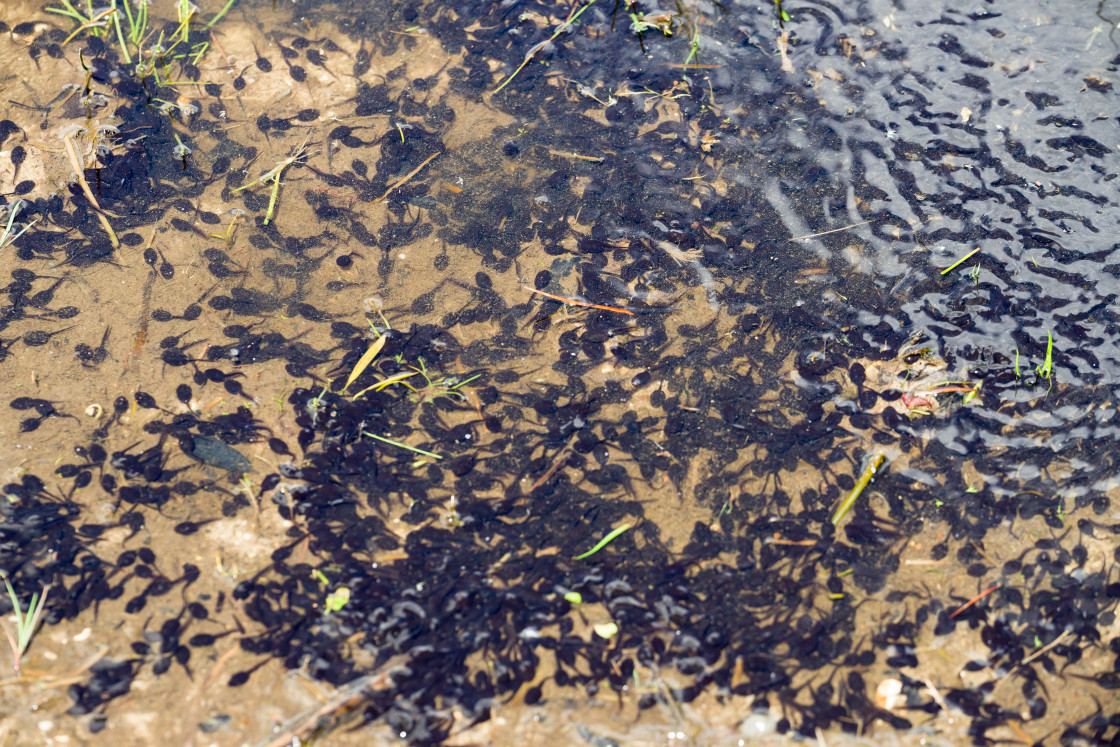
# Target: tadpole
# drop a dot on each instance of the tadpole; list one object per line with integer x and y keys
{"x": 90, "y": 357}
{"x": 316, "y": 58}
{"x": 239, "y": 82}
{"x": 147, "y": 401}
{"x": 262, "y": 62}
{"x": 40, "y": 337}
{"x": 298, "y": 74}
{"x": 44, "y": 297}
{"x": 166, "y": 269}
{"x": 19, "y": 154}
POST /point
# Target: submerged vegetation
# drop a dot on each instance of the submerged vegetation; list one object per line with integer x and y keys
{"x": 468, "y": 356}
{"x": 27, "y": 622}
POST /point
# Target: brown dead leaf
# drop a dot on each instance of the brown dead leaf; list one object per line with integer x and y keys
{"x": 783, "y": 50}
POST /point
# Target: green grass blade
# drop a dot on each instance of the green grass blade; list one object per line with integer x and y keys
{"x": 604, "y": 542}
{"x": 864, "y": 481}
{"x": 71, "y": 13}
{"x": 221, "y": 13}
{"x": 120, "y": 35}
{"x": 959, "y": 262}
{"x": 398, "y": 444}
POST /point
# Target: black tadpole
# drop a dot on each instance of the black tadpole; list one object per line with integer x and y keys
{"x": 262, "y": 62}
{"x": 40, "y": 337}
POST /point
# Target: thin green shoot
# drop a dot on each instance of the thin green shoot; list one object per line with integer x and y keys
{"x": 1017, "y": 363}
{"x": 186, "y": 11}
{"x": 386, "y": 383}
{"x": 132, "y": 19}
{"x": 120, "y": 33}
{"x": 381, "y": 314}
{"x": 68, "y": 11}
{"x": 316, "y": 402}
{"x": 461, "y": 383}
{"x": 196, "y": 56}
{"x": 97, "y": 23}
{"x": 565, "y": 26}
{"x": 1047, "y": 367}
{"x": 694, "y": 42}
{"x": 959, "y": 262}
{"x": 26, "y": 622}
{"x": 272, "y": 199}
{"x": 228, "y": 235}
{"x": 7, "y": 237}
{"x": 444, "y": 386}
{"x": 402, "y": 446}
{"x": 864, "y": 481}
{"x": 273, "y": 175}
{"x": 181, "y": 150}
{"x": 614, "y": 533}
{"x": 221, "y": 13}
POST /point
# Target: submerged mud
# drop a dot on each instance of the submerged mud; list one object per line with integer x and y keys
{"x": 362, "y": 329}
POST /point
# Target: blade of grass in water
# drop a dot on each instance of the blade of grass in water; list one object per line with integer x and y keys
{"x": 864, "y": 481}
{"x": 604, "y": 542}
{"x": 959, "y": 262}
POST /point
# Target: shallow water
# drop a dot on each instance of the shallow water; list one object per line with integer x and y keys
{"x": 687, "y": 286}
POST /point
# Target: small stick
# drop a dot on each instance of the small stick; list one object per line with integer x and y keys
{"x": 551, "y": 470}
{"x": 72, "y": 152}
{"x": 1022, "y": 734}
{"x": 1033, "y": 656}
{"x": 400, "y": 182}
{"x": 826, "y": 233}
{"x": 976, "y": 599}
{"x": 578, "y": 303}
{"x": 573, "y": 154}
{"x": 936, "y": 695}
{"x": 1041, "y": 651}
{"x": 305, "y": 725}
{"x": 864, "y": 481}
{"x": 197, "y": 700}
{"x": 791, "y": 543}
{"x": 946, "y": 389}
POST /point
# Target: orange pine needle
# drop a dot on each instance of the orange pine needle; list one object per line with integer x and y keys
{"x": 578, "y": 303}
{"x": 975, "y": 599}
